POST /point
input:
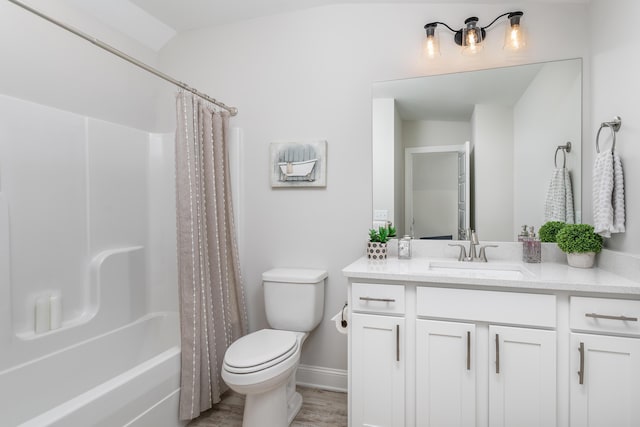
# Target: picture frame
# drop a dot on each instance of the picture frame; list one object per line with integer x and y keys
{"x": 298, "y": 164}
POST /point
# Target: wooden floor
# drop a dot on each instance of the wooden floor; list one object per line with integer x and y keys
{"x": 320, "y": 408}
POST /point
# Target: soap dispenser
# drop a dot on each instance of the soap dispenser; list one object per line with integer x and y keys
{"x": 523, "y": 234}
{"x": 531, "y": 247}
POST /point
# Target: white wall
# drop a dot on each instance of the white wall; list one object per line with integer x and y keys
{"x": 614, "y": 86}
{"x": 418, "y": 133}
{"x": 307, "y": 75}
{"x": 539, "y": 127}
{"x": 398, "y": 177}
{"x": 427, "y": 133}
{"x": 383, "y": 138}
{"x": 48, "y": 65}
{"x": 493, "y": 169}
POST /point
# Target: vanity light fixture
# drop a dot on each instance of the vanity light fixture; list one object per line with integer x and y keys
{"x": 470, "y": 37}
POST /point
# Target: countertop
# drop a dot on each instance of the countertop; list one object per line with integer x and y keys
{"x": 552, "y": 276}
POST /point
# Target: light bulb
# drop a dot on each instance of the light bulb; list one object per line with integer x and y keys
{"x": 431, "y": 49}
{"x": 431, "y": 44}
{"x": 515, "y": 38}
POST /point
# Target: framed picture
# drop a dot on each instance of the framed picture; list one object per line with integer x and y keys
{"x": 298, "y": 164}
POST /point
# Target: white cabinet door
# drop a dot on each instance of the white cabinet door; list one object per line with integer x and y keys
{"x": 445, "y": 374}
{"x": 522, "y": 378}
{"x": 377, "y": 370}
{"x": 610, "y": 372}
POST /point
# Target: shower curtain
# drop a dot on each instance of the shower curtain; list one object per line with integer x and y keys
{"x": 212, "y": 302}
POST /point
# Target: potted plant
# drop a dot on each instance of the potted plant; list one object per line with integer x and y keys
{"x": 377, "y": 244}
{"x": 549, "y": 231}
{"x": 580, "y": 243}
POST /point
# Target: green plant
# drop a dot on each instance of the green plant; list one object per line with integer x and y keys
{"x": 549, "y": 231}
{"x": 392, "y": 230}
{"x": 380, "y": 235}
{"x": 579, "y": 238}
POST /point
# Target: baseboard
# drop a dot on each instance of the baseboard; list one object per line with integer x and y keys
{"x": 323, "y": 378}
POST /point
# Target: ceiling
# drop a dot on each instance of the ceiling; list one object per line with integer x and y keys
{"x": 154, "y": 22}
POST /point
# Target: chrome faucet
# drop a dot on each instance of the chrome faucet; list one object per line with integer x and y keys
{"x": 473, "y": 242}
{"x": 472, "y": 256}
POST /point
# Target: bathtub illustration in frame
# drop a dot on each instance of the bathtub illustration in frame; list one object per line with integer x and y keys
{"x": 299, "y": 164}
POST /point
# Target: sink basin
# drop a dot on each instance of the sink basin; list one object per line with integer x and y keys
{"x": 479, "y": 270}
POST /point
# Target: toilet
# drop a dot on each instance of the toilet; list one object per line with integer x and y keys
{"x": 262, "y": 365}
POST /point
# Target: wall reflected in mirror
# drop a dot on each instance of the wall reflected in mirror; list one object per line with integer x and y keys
{"x": 513, "y": 119}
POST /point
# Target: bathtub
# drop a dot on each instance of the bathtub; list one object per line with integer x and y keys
{"x": 129, "y": 376}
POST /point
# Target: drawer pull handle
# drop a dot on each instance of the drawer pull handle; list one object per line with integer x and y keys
{"x": 468, "y": 350}
{"x": 606, "y": 316}
{"x": 581, "y": 371}
{"x": 497, "y": 353}
{"x": 377, "y": 299}
{"x": 397, "y": 343}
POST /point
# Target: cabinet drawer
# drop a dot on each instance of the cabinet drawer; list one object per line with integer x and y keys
{"x": 487, "y": 306}
{"x": 618, "y": 316}
{"x": 375, "y": 298}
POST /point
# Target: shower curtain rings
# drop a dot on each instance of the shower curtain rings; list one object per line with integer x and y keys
{"x": 614, "y": 126}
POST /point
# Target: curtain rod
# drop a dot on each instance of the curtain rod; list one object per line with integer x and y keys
{"x": 232, "y": 110}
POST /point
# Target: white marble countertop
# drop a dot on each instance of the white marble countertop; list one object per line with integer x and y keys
{"x": 554, "y": 275}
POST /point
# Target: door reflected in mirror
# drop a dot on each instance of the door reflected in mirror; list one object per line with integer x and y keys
{"x": 513, "y": 118}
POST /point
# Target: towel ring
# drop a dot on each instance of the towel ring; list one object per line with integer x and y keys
{"x": 565, "y": 149}
{"x": 614, "y": 126}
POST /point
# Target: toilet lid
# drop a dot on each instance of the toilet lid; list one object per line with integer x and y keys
{"x": 260, "y": 350}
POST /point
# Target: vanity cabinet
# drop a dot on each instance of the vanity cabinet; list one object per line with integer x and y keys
{"x": 605, "y": 362}
{"x": 559, "y": 347}
{"x": 455, "y": 359}
{"x": 377, "y": 365}
{"x": 445, "y": 373}
{"x": 522, "y": 383}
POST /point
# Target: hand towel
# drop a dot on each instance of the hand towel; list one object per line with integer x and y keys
{"x": 608, "y": 194}
{"x": 559, "y": 202}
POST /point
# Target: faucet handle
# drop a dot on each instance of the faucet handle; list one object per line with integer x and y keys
{"x": 483, "y": 256}
{"x": 463, "y": 253}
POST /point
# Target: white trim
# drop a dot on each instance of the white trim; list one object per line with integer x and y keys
{"x": 322, "y": 378}
{"x": 408, "y": 175}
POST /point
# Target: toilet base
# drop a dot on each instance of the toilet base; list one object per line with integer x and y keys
{"x": 274, "y": 408}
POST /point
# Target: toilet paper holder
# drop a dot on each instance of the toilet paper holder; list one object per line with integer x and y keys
{"x": 343, "y": 321}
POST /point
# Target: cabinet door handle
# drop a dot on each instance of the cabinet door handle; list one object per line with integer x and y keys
{"x": 497, "y": 353}
{"x": 377, "y": 299}
{"x": 606, "y": 316}
{"x": 581, "y": 370}
{"x": 468, "y": 350}
{"x": 397, "y": 343}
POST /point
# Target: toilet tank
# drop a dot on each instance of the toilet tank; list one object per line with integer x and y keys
{"x": 294, "y": 298}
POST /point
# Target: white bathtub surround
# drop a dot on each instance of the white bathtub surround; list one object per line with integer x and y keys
{"x": 212, "y": 298}
{"x": 42, "y": 316}
{"x": 55, "y": 311}
{"x": 79, "y": 386}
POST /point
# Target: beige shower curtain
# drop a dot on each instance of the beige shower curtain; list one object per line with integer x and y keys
{"x": 212, "y": 303}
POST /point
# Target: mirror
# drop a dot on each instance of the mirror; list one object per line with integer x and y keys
{"x": 513, "y": 118}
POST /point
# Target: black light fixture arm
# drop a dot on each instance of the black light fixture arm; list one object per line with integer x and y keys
{"x": 509, "y": 14}
{"x": 434, "y": 24}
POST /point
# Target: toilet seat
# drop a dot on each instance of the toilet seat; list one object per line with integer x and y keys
{"x": 260, "y": 350}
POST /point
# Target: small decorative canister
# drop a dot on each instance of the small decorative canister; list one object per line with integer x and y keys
{"x": 376, "y": 250}
{"x": 404, "y": 247}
